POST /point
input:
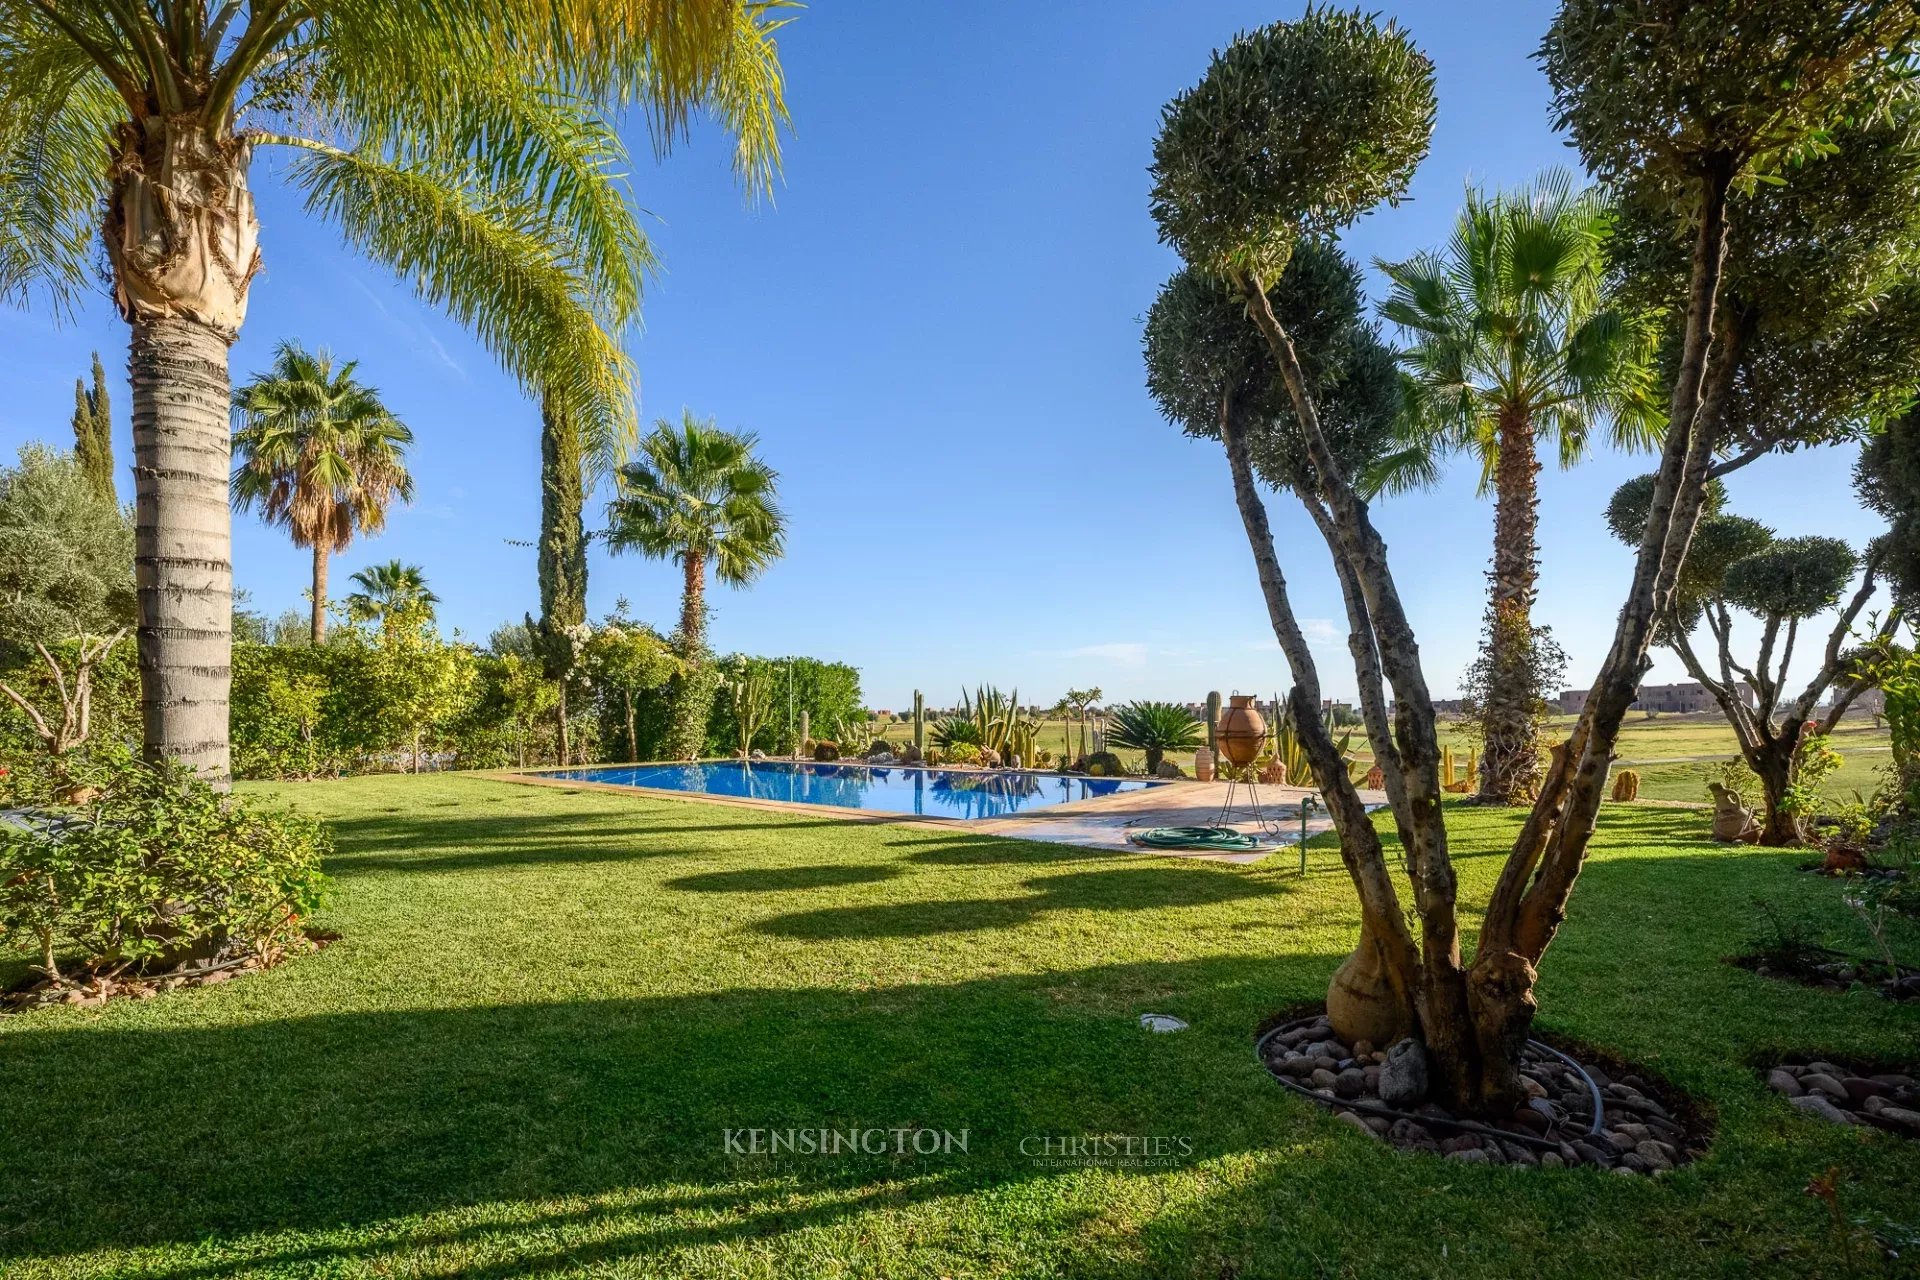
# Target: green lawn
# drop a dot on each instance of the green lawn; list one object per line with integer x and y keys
{"x": 547, "y": 1007}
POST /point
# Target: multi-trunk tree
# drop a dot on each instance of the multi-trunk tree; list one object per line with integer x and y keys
{"x": 66, "y": 589}
{"x": 1737, "y": 563}
{"x": 1296, "y": 130}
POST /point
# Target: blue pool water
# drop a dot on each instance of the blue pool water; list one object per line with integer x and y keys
{"x": 939, "y": 793}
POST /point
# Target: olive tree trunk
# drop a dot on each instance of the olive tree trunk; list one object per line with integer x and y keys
{"x": 1510, "y": 751}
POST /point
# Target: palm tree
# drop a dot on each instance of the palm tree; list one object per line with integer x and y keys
{"x": 697, "y": 495}
{"x": 461, "y": 145}
{"x": 694, "y": 495}
{"x": 320, "y": 455}
{"x": 1515, "y": 339}
{"x": 386, "y": 588}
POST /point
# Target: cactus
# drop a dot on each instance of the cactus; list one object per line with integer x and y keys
{"x": 919, "y": 721}
{"x": 1626, "y": 785}
{"x": 1213, "y": 722}
{"x": 1446, "y": 768}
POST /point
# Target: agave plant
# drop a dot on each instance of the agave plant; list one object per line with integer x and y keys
{"x": 953, "y": 731}
{"x": 1291, "y": 752}
{"x": 1155, "y": 728}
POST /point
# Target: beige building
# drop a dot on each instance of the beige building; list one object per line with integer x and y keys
{"x": 1684, "y": 698}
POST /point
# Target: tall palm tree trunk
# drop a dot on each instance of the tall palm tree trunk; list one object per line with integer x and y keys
{"x": 691, "y": 692}
{"x": 320, "y": 556}
{"x": 183, "y": 540}
{"x": 693, "y": 605}
{"x": 183, "y": 240}
{"x": 1510, "y": 757}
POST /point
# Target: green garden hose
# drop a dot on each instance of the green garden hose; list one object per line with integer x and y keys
{"x": 1212, "y": 839}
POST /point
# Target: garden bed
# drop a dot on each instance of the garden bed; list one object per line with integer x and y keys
{"x": 1851, "y": 1093}
{"x": 96, "y": 988}
{"x": 1584, "y": 1109}
{"x": 1830, "y": 970}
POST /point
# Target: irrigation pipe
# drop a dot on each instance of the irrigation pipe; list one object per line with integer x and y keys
{"x": 1460, "y": 1126}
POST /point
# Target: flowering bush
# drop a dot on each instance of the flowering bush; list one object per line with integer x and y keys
{"x": 156, "y": 868}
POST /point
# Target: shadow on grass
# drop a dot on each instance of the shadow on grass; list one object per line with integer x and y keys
{"x": 355, "y": 1119}
{"x": 782, "y": 879}
{"x": 1113, "y": 889}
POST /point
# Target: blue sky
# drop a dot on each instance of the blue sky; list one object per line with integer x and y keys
{"x": 935, "y": 330}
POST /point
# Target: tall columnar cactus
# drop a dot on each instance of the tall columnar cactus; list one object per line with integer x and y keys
{"x": 1213, "y": 722}
{"x": 919, "y": 722}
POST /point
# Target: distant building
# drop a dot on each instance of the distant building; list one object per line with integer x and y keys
{"x": 1685, "y": 698}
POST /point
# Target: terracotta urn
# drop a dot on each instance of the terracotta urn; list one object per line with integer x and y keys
{"x": 1203, "y": 765}
{"x": 1243, "y": 730}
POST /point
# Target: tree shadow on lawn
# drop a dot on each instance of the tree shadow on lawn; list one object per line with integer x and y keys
{"x": 782, "y": 879}
{"x": 412, "y": 843}
{"x": 1110, "y": 889}
{"x": 144, "y": 1136}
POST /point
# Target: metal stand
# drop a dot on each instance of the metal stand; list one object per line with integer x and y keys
{"x": 1253, "y": 813}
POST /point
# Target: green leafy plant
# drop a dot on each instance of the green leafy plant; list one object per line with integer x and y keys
{"x": 1814, "y": 760}
{"x": 157, "y": 868}
{"x": 1154, "y": 728}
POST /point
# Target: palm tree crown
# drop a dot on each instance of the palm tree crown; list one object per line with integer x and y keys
{"x": 319, "y": 455}
{"x": 1515, "y": 318}
{"x": 386, "y": 588}
{"x": 695, "y": 492}
{"x": 318, "y": 452}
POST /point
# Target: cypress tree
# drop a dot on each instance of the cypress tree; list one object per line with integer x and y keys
{"x": 93, "y": 432}
{"x": 562, "y": 553}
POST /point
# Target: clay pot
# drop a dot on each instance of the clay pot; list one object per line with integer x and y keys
{"x": 1203, "y": 765}
{"x": 1274, "y": 775}
{"x": 1243, "y": 730}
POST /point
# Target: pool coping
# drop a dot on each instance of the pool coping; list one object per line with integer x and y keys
{"x": 1097, "y": 825}
{"x": 543, "y": 777}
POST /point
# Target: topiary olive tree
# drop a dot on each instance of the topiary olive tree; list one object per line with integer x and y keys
{"x": 1738, "y": 563}
{"x": 1301, "y": 127}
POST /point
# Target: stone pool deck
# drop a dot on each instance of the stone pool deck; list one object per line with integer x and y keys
{"x": 1104, "y": 823}
{"x": 1100, "y": 824}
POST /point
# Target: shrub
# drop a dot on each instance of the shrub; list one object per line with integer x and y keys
{"x": 157, "y": 868}
{"x": 964, "y": 753}
{"x": 826, "y": 750}
{"x": 1626, "y": 784}
{"x": 1103, "y": 764}
{"x": 1155, "y": 728}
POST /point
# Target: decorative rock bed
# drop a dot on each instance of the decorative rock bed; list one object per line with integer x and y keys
{"x": 1842, "y": 1094}
{"x": 1578, "y": 1112}
{"x": 97, "y": 989}
{"x": 1835, "y": 972}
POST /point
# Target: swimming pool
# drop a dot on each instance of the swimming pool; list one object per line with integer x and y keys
{"x": 939, "y": 793}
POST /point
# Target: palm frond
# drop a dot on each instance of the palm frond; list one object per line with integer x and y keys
{"x": 491, "y": 263}
{"x": 57, "y": 114}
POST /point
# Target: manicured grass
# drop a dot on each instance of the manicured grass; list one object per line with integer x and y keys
{"x": 548, "y": 1006}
